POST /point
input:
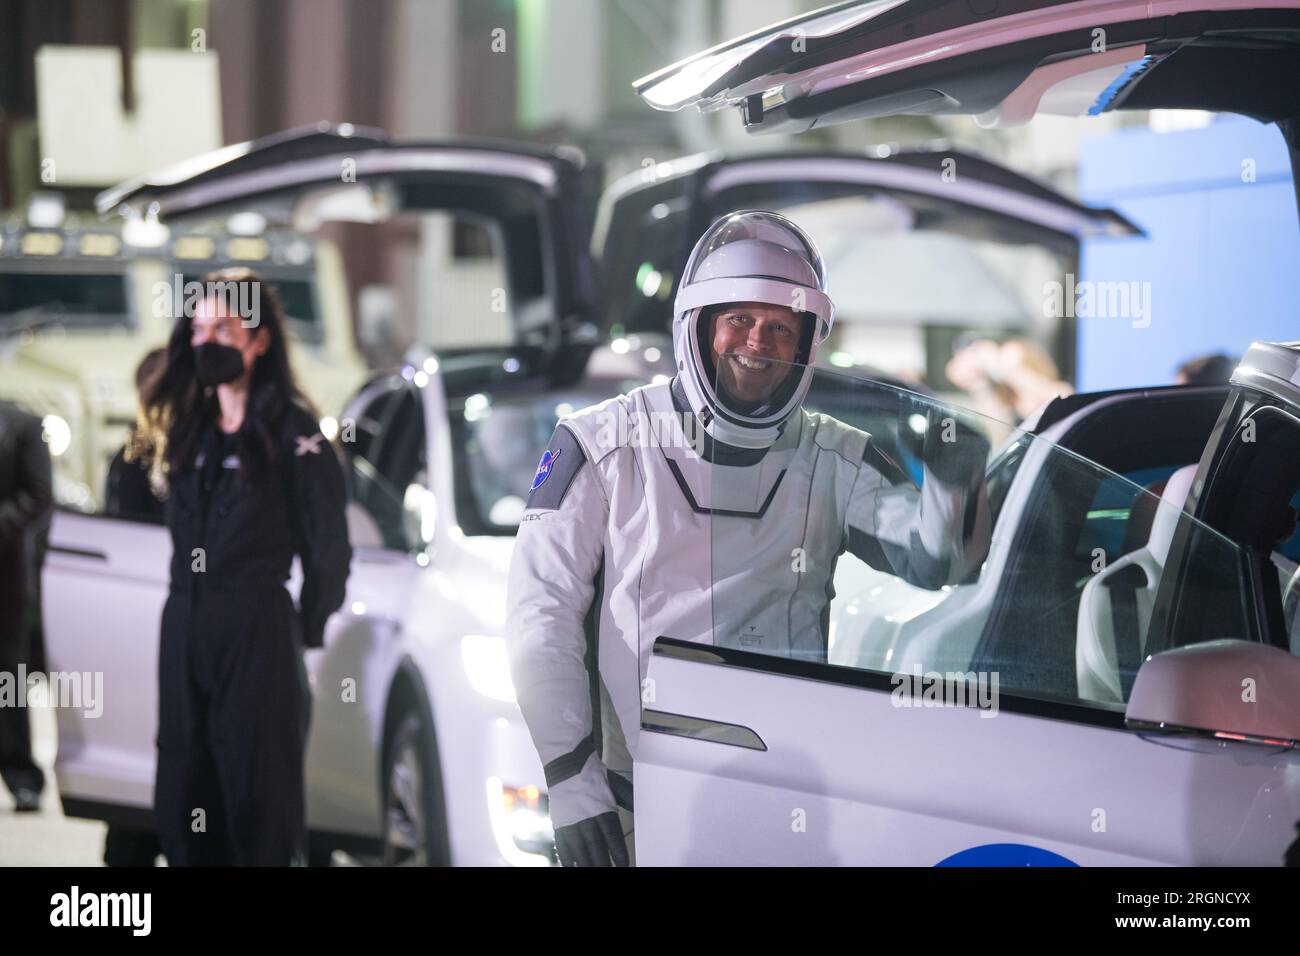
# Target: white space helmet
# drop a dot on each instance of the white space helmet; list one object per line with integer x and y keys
{"x": 748, "y": 256}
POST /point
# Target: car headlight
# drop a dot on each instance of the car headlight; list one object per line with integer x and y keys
{"x": 521, "y": 823}
{"x": 487, "y": 665}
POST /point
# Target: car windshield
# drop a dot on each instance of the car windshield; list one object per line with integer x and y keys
{"x": 30, "y": 300}
{"x": 501, "y": 437}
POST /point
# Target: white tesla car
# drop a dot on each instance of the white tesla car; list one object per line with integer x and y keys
{"x": 1133, "y": 641}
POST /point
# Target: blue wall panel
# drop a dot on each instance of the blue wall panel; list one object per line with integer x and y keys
{"x": 1221, "y": 255}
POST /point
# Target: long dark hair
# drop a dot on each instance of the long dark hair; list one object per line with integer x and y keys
{"x": 177, "y": 409}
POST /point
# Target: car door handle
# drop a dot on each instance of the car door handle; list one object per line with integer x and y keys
{"x": 697, "y": 728}
{"x": 77, "y": 552}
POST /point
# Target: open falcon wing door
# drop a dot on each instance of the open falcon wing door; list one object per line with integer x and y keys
{"x": 918, "y": 240}
{"x": 1001, "y": 62}
{"x": 532, "y": 199}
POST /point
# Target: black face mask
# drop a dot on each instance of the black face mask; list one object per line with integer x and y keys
{"x": 217, "y": 364}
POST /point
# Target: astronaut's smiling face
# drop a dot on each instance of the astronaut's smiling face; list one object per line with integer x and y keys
{"x": 753, "y": 346}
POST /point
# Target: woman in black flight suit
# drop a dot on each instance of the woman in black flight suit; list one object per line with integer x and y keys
{"x": 252, "y": 482}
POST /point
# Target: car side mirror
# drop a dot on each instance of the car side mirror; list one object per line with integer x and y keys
{"x": 419, "y": 515}
{"x": 1226, "y": 690}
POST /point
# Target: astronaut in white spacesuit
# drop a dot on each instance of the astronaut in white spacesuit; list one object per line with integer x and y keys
{"x": 711, "y": 509}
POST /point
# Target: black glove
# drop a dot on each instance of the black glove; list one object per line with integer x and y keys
{"x": 954, "y": 452}
{"x": 592, "y": 842}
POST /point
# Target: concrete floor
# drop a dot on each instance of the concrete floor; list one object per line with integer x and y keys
{"x": 47, "y": 838}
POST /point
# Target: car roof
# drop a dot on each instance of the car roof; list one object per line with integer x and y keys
{"x": 1272, "y": 368}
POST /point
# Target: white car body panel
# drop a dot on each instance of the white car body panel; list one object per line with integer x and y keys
{"x": 881, "y": 785}
{"x": 102, "y": 602}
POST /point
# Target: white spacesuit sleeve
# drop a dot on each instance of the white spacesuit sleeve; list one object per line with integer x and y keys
{"x": 929, "y": 536}
{"x": 557, "y": 561}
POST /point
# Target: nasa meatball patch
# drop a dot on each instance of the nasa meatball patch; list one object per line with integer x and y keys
{"x": 556, "y": 471}
{"x": 544, "y": 468}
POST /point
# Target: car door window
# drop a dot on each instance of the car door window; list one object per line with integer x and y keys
{"x": 1059, "y": 609}
{"x": 1286, "y": 558}
{"x": 386, "y": 457}
{"x": 1253, "y": 488}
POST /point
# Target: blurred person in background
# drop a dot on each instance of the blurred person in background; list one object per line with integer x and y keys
{"x": 26, "y": 498}
{"x": 1007, "y": 382}
{"x": 129, "y": 494}
{"x": 1214, "y": 369}
{"x": 251, "y": 482}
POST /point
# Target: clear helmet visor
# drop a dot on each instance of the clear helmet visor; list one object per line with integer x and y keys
{"x": 747, "y": 259}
